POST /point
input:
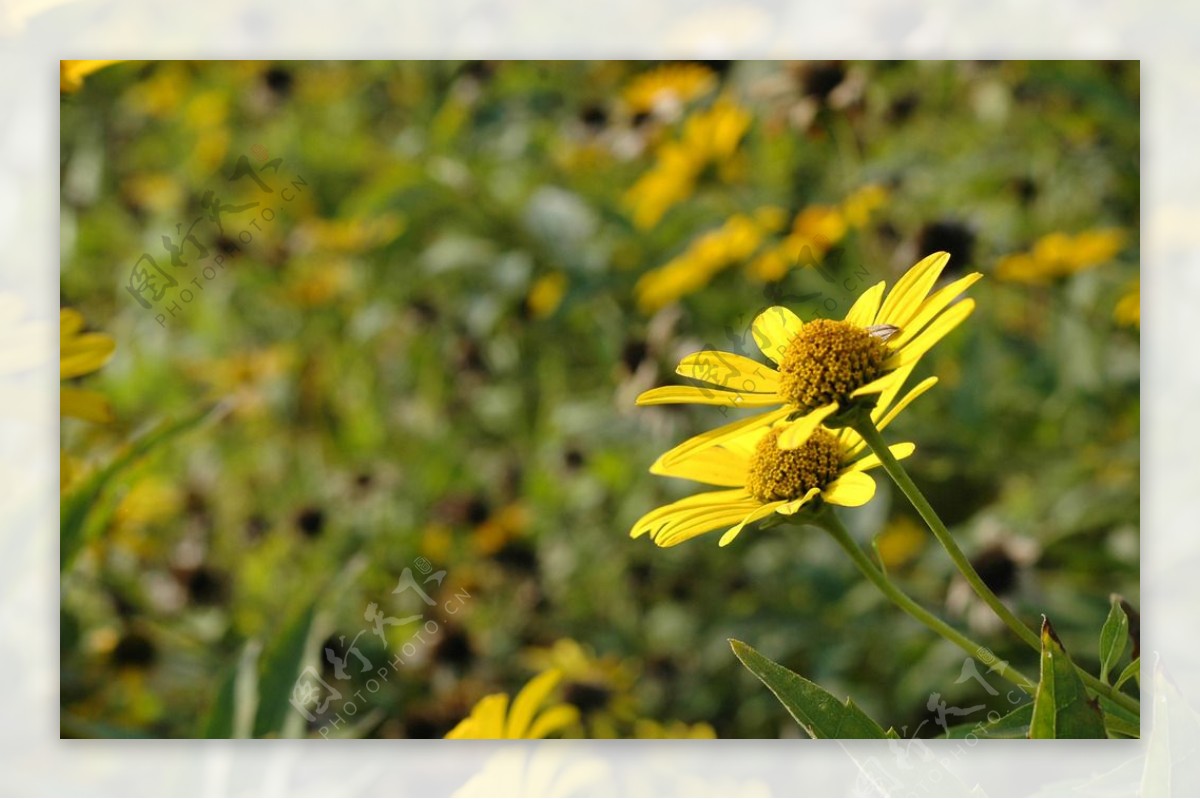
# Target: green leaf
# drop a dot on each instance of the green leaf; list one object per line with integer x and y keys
{"x": 1132, "y": 671}
{"x": 1061, "y": 705}
{"x": 232, "y": 714}
{"x": 1119, "y": 720}
{"x": 76, "y": 528}
{"x": 1114, "y": 638}
{"x": 819, "y": 712}
{"x": 1012, "y": 725}
{"x": 281, "y": 667}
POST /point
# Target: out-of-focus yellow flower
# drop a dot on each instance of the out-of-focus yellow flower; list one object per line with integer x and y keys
{"x": 162, "y": 92}
{"x": 503, "y": 526}
{"x": 735, "y": 241}
{"x": 319, "y": 281}
{"x": 245, "y": 376}
{"x": 151, "y": 499}
{"x": 546, "y": 294}
{"x": 816, "y": 230}
{"x": 1059, "y": 255}
{"x": 349, "y": 235}
{"x": 72, "y": 73}
{"x": 860, "y": 205}
{"x": 81, "y": 354}
{"x": 1129, "y": 308}
{"x": 900, "y": 542}
{"x": 158, "y": 192}
{"x": 667, "y": 88}
{"x": 649, "y": 729}
{"x": 579, "y": 664}
{"x": 492, "y": 718}
{"x": 709, "y": 139}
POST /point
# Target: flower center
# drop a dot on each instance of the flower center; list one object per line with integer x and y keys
{"x": 827, "y": 361}
{"x": 778, "y": 474}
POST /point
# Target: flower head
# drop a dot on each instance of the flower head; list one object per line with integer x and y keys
{"x": 760, "y": 478}
{"x": 493, "y": 718}
{"x": 825, "y": 366}
{"x": 1128, "y": 311}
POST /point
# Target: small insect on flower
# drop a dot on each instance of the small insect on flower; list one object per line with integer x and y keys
{"x": 883, "y": 332}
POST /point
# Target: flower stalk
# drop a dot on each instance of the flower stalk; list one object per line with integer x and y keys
{"x": 865, "y": 427}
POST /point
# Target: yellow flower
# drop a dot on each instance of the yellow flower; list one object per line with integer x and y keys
{"x": 492, "y": 718}
{"x": 824, "y": 366}
{"x": 72, "y": 73}
{"x": 709, "y": 139}
{"x": 858, "y": 207}
{"x": 1129, "y": 308}
{"x": 649, "y": 729}
{"x": 760, "y": 478}
{"x": 691, "y": 270}
{"x": 901, "y": 540}
{"x": 81, "y": 354}
{"x": 668, "y": 87}
{"x": 546, "y": 294}
{"x": 1059, "y": 255}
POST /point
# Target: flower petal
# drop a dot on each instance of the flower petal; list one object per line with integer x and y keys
{"x": 730, "y": 370}
{"x": 899, "y": 451}
{"x": 863, "y": 312}
{"x": 687, "y": 527}
{"x": 702, "y": 395}
{"x": 932, "y": 307}
{"x": 81, "y": 355}
{"x": 895, "y": 409}
{"x": 91, "y": 406}
{"x": 552, "y": 720}
{"x": 789, "y": 508}
{"x": 720, "y": 435}
{"x": 486, "y": 720}
{"x": 931, "y": 335}
{"x": 657, "y": 518}
{"x": 798, "y": 431}
{"x": 756, "y": 514}
{"x": 774, "y": 329}
{"x": 910, "y": 291}
{"x": 530, "y": 698}
{"x": 851, "y": 490}
{"x": 716, "y": 466}
{"x": 879, "y": 384}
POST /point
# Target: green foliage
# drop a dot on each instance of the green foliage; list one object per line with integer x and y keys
{"x": 819, "y": 712}
{"x": 1061, "y": 705}
{"x": 1114, "y": 638}
{"x": 403, "y": 382}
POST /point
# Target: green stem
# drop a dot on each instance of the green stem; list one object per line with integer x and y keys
{"x": 866, "y": 428}
{"x": 834, "y": 526}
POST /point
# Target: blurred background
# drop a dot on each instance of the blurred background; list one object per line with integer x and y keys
{"x": 421, "y": 298}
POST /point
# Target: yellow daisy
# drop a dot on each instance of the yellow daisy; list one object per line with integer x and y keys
{"x": 823, "y": 366}
{"x": 80, "y": 354}
{"x": 759, "y": 478}
{"x": 492, "y": 718}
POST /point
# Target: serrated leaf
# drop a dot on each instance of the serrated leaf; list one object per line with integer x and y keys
{"x": 1114, "y": 637}
{"x": 1132, "y": 671}
{"x": 75, "y": 526}
{"x": 819, "y": 712}
{"x": 1011, "y": 725}
{"x": 1061, "y": 705}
